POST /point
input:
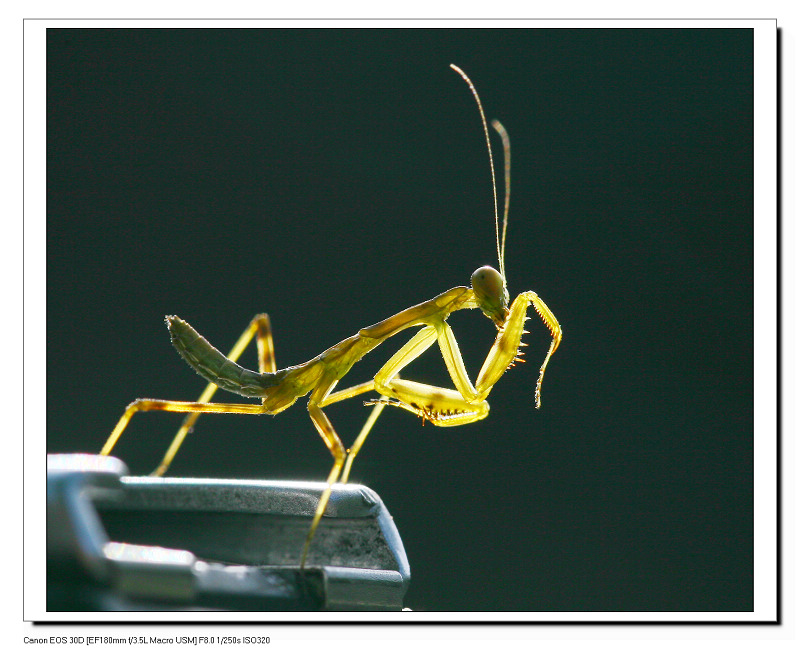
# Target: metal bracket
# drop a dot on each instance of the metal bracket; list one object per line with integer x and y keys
{"x": 117, "y": 542}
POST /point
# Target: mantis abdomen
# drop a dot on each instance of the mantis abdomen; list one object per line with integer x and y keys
{"x": 215, "y": 367}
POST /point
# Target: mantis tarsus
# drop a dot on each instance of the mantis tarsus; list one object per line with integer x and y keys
{"x": 279, "y": 389}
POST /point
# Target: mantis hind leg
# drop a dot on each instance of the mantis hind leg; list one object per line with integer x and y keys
{"x": 258, "y": 328}
{"x": 193, "y": 408}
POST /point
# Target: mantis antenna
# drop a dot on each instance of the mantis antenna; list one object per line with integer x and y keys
{"x": 501, "y": 131}
{"x": 501, "y": 250}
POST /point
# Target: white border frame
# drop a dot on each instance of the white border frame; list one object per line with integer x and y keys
{"x": 765, "y": 319}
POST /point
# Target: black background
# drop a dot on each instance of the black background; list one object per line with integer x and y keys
{"x": 334, "y": 177}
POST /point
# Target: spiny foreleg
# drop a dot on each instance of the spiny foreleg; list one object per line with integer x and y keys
{"x": 440, "y": 406}
{"x": 505, "y": 350}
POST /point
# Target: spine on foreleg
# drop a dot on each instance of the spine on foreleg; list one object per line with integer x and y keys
{"x": 215, "y": 367}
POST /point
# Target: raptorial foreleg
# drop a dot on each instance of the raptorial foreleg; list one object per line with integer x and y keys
{"x": 505, "y": 349}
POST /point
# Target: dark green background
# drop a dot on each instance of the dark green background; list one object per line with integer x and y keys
{"x": 335, "y": 177}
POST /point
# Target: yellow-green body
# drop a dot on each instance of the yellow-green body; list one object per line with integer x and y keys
{"x": 318, "y": 377}
{"x": 279, "y": 389}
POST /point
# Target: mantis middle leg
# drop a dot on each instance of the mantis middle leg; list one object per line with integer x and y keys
{"x": 322, "y": 397}
{"x": 325, "y": 429}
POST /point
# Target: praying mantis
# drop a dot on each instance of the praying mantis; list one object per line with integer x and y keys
{"x": 278, "y": 389}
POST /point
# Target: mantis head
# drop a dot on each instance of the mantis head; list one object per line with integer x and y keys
{"x": 491, "y": 294}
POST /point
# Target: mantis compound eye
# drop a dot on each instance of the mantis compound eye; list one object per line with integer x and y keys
{"x": 491, "y": 294}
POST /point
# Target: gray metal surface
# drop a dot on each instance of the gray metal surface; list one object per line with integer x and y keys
{"x": 116, "y": 542}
